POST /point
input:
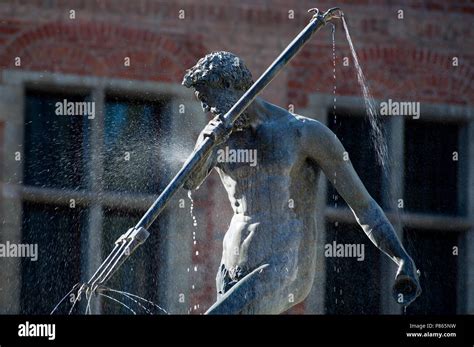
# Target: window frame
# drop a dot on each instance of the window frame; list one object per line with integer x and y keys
{"x": 94, "y": 198}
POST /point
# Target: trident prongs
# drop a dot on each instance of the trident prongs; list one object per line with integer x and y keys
{"x": 124, "y": 247}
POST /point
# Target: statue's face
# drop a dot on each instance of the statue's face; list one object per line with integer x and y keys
{"x": 216, "y": 100}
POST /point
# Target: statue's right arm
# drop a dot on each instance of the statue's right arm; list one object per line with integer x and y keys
{"x": 217, "y": 130}
{"x": 323, "y": 146}
{"x": 201, "y": 172}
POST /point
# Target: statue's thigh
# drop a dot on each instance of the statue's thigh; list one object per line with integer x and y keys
{"x": 260, "y": 292}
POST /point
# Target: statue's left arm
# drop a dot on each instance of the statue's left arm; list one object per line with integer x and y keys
{"x": 322, "y": 146}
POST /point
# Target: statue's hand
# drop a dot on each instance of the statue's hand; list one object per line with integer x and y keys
{"x": 407, "y": 284}
{"x": 218, "y": 130}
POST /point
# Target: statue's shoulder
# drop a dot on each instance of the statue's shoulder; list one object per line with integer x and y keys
{"x": 292, "y": 121}
{"x": 313, "y": 132}
{"x": 306, "y": 124}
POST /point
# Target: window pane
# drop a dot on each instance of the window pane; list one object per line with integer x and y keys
{"x": 352, "y": 286}
{"x": 133, "y": 131}
{"x": 54, "y": 144}
{"x": 57, "y": 231}
{"x": 432, "y": 252}
{"x": 139, "y": 274}
{"x": 354, "y": 133}
{"x": 431, "y": 175}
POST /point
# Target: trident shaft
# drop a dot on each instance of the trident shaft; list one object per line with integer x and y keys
{"x": 127, "y": 243}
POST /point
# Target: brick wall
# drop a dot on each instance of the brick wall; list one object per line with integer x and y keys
{"x": 407, "y": 59}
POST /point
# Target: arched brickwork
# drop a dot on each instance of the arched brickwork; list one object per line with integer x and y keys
{"x": 397, "y": 72}
{"x": 99, "y": 49}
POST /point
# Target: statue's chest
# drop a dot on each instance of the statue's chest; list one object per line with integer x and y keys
{"x": 264, "y": 153}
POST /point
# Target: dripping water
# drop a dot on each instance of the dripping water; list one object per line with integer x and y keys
{"x": 194, "y": 249}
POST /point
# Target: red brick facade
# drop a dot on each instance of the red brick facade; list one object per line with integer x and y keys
{"x": 409, "y": 58}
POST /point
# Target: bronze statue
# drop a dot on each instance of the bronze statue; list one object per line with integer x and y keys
{"x": 269, "y": 249}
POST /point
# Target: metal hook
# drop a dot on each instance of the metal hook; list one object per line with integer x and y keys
{"x": 315, "y": 10}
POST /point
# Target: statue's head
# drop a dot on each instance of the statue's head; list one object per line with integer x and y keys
{"x": 219, "y": 80}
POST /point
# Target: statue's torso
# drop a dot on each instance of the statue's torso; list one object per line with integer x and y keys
{"x": 273, "y": 201}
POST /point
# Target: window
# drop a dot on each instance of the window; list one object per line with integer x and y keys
{"x": 121, "y": 149}
{"x": 431, "y": 220}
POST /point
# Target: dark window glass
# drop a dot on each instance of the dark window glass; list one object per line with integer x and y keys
{"x": 58, "y": 233}
{"x": 2, "y": 137}
{"x": 139, "y": 274}
{"x": 352, "y": 287}
{"x": 431, "y": 175}
{"x": 55, "y": 145}
{"x": 132, "y": 135}
{"x": 432, "y": 252}
{"x": 354, "y": 133}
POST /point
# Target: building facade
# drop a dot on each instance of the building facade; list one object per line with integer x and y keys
{"x": 73, "y": 182}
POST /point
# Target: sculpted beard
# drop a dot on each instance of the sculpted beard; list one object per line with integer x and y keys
{"x": 223, "y": 104}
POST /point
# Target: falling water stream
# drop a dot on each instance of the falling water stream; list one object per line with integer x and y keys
{"x": 377, "y": 135}
{"x": 336, "y": 267}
